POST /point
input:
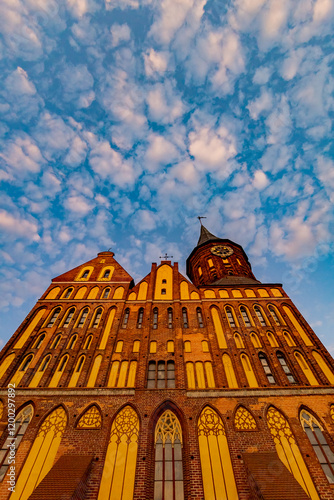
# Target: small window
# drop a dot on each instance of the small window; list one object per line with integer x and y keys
{"x": 245, "y": 316}
{"x": 85, "y": 274}
{"x": 259, "y": 315}
{"x": 170, "y": 346}
{"x": 170, "y": 317}
{"x": 274, "y": 315}
{"x": 140, "y": 317}
{"x": 53, "y": 317}
{"x": 161, "y": 375}
{"x": 97, "y": 318}
{"x": 185, "y": 317}
{"x": 45, "y": 363}
{"x": 267, "y": 369}
{"x": 83, "y": 317}
{"x": 205, "y": 346}
{"x": 68, "y": 293}
{"x": 199, "y": 317}
{"x": 153, "y": 347}
{"x": 106, "y": 274}
{"x": 286, "y": 368}
{"x": 88, "y": 342}
{"x": 81, "y": 362}
{"x": 63, "y": 363}
{"x": 72, "y": 342}
{"x": 69, "y": 316}
{"x": 119, "y": 346}
{"x": 39, "y": 341}
{"x": 136, "y": 346}
{"x": 187, "y": 346}
{"x": 26, "y": 363}
{"x": 105, "y": 294}
{"x": 164, "y": 281}
{"x": 155, "y": 318}
{"x": 56, "y": 342}
{"x": 230, "y": 316}
{"x": 163, "y": 291}
{"x": 126, "y": 317}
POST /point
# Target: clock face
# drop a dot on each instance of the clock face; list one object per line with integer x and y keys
{"x": 222, "y": 251}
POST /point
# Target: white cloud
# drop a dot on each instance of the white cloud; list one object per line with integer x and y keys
{"x": 18, "y": 227}
{"x": 274, "y": 17}
{"x": 212, "y": 148}
{"x": 78, "y": 205}
{"x": 262, "y": 75}
{"x": 77, "y": 83}
{"x": 109, "y": 164}
{"x": 322, "y": 10}
{"x": 120, "y": 33}
{"x": 160, "y": 151}
{"x": 261, "y": 104}
{"x": 144, "y": 220}
{"x": 22, "y": 154}
{"x": 165, "y": 105}
{"x": 155, "y": 62}
{"x": 260, "y": 180}
{"x": 325, "y": 173}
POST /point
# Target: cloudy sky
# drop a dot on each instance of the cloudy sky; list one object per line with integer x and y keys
{"x": 123, "y": 120}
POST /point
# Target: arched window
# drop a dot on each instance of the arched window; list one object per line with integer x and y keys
{"x": 39, "y": 341}
{"x": 170, "y": 346}
{"x": 155, "y": 318}
{"x": 187, "y": 346}
{"x": 306, "y": 369}
{"x": 22, "y": 369}
{"x": 119, "y": 346}
{"x": 21, "y": 423}
{"x": 53, "y": 317}
{"x": 60, "y": 370}
{"x": 68, "y": 293}
{"x": 56, "y": 342}
{"x": 45, "y": 363}
{"x": 185, "y": 317}
{"x": 230, "y": 316}
{"x": 136, "y": 346}
{"x": 170, "y": 317}
{"x": 85, "y": 274}
{"x": 314, "y": 432}
{"x": 88, "y": 342}
{"x": 274, "y": 315}
{"x": 286, "y": 368}
{"x": 68, "y": 318}
{"x": 289, "y": 339}
{"x": 199, "y": 317}
{"x": 97, "y": 318}
{"x": 26, "y": 362}
{"x": 229, "y": 371}
{"x": 120, "y": 463}
{"x": 245, "y": 316}
{"x": 266, "y": 368}
{"x": 126, "y": 317}
{"x": 122, "y": 374}
{"x": 83, "y": 317}
{"x": 72, "y": 341}
{"x": 250, "y": 375}
{"x": 272, "y": 340}
{"x": 288, "y": 451}
{"x": 259, "y": 315}
{"x": 168, "y": 479}
{"x": 39, "y": 374}
{"x": 238, "y": 341}
{"x": 205, "y": 346}
{"x": 255, "y": 340}
{"x": 105, "y": 293}
{"x": 106, "y": 274}
{"x": 217, "y": 474}
{"x": 140, "y": 317}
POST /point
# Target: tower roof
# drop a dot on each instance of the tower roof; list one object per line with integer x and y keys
{"x": 205, "y": 236}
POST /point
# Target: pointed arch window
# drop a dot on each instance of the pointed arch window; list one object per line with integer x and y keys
{"x": 289, "y": 339}
{"x": 53, "y": 317}
{"x": 56, "y": 342}
{"x": 39, "y": 341}
{"x": 266, "y": 369}
{"x": 199, "y": 317}
{"x": 72, "y": 341}
{"x": 314, "y": 432}
{"x": 286, "y": 368}
{"x": 68, "y": 293}
{"x": 105, "y": 293}
{"x": 26, "y": 363}
{"x": 39, "y": 374}
{"x": 85, "y": 274}
{"x": 126, "y": 317}
{"x": 185, "y": 317}
{"x": 272, "y": 340}
{"x": 155, "y": 318}
{"x": 255, "y": 340}
{"x": 274, "y": 315}
{"x": 259, "y": 315}
{"x": 238, "y": 341}
{"x": 170, "y": 317}
{"x": 59, "y": 372}
{"x": 21, "y": 424}
{"x": 88, "y": 342}
{"x": 83, "y": 317}
{"x": 45, "y": 363}
{"x": 168, "y": 478}
{"x": 230, "y": 316}
{"x": 97, "y": 318}
{"x": 245, "y": 316}
{"x": 68, "y": 317}
{"x": 140, "y": 317}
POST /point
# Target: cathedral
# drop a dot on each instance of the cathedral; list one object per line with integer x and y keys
{"x": 206, "y": 387}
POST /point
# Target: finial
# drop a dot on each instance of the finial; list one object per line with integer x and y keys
{"x": 199, "y": 218}
{"x": 109, "y": 249}
{"x": 166, "y": 256}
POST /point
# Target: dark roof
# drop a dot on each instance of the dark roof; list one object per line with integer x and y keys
{"x": 205, "y": 236}
{"x": 235, "y": 280}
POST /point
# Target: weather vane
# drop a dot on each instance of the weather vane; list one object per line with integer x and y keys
{"x": 166, "y": 256}
{"x": 199, "y": 218}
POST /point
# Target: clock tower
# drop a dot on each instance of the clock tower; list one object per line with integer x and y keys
{"x": 216, "y": 261}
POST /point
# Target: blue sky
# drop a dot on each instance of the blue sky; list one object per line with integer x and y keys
{"x": 122, "y": 121}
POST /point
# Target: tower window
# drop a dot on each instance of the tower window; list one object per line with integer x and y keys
{"x": 69, "y": 316}
{"x": 185, "y": 317}
{"x": 126, "y": 317}
{"x": 199, "y": 317}
{"x": 83, "y": 317}
{"x": 106, "y": 274}
{"x": 88, "y": 342}
{"x": 39, "y": 341}
{"x": 72, "y": 342}
{"x": 230, "y": 316}
{"x": 68, "y": 293}
{"x": 266, "y": 369}
{"x": 140, "y": 317}
{"x": 259, "y": 315}
{"x": 85, "y": 274}
{"x": 53, "y": 317}
{"x": 105, "y": 294}
{"x": 97, "y": 318}
{"x": 286, "y": 368}
{"x": 45, "y": 363}
{"x": 245, "y": 316}
{"x": 56, "y": 342}
{"x": 155, "y": 318}
{"x": 164, "y": 281}
{"x": 274, "y": 315}
{"x": 170, "y": 317}
{"x": 163, "y": 291}
{"x": 26, "y": 363}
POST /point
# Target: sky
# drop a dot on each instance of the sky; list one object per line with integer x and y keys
{"x": 122, "y": 121}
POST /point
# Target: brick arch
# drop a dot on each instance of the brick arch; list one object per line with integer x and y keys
{"x": 240, "y": 405}
{"x": 85, "y": 410}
